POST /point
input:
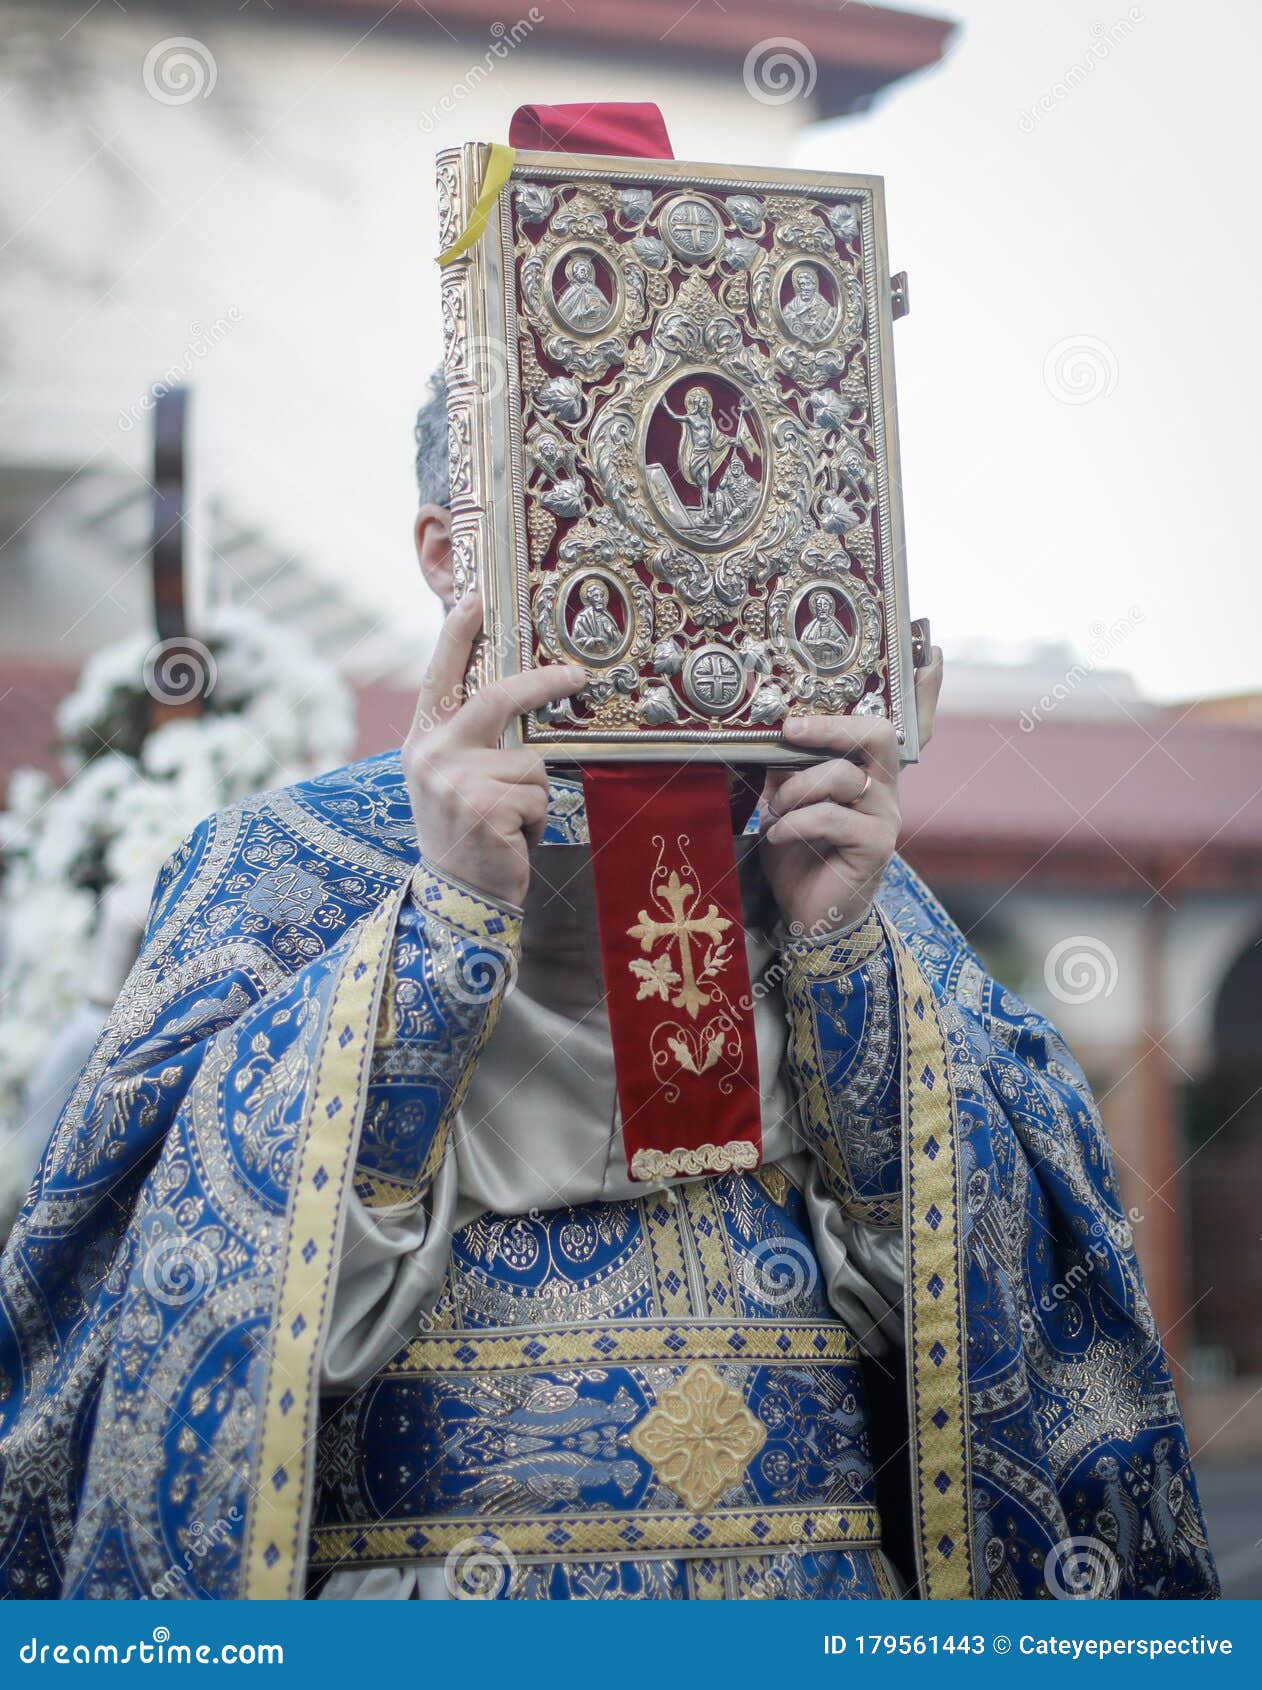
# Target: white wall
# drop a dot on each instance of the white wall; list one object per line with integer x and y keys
{"x": 293, "y": 206}
{"x": 1071, "y": 195}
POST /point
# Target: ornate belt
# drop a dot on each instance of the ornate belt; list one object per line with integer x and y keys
{"x": 623, "y": 1441}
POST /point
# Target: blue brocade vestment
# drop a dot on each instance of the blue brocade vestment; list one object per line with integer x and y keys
{"x": 303, "y": 1023}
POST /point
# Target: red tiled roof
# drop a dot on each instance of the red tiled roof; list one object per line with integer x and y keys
{"x": 1168, "y": 785}
{"x": 858, "y": 49}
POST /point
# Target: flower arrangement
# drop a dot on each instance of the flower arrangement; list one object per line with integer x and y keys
{"x": 272, "y": 713}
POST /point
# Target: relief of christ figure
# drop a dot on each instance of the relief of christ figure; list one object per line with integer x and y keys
{"x": 703, "y": 446}
{"x": 824, "y": 638}
{"x": 582, "y": 306}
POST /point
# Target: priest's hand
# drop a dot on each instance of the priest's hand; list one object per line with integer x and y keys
{"x": 478, "y": 809}
{"x": 829, "y": 831}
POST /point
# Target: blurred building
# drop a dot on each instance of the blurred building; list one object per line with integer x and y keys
{"x": 1105, "y": 856}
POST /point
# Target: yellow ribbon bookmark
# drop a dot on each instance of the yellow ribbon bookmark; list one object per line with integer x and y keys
{"x": 499, "y": 167}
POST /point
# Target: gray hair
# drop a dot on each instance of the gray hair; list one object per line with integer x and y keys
{"x": 433, "y": 472}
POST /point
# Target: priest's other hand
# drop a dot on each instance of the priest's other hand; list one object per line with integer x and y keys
{"x": 829, "y": 831}
{"x": 478, "y": 809}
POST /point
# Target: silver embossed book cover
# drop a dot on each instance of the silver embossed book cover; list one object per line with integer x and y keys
{"x": 673, "y": 449}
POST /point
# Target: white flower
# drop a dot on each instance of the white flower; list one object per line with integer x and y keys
{"x": 278, "y": 714}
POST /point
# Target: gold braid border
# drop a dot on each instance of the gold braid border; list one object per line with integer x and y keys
{"x": 279, "y": 1510}
{"x": 937, "y": 1377}
{"x": 666, "y": 1343}
{"x": 625, "y": 1535}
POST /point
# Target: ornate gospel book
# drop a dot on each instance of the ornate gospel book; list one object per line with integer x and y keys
{"x": 673, "y": 449}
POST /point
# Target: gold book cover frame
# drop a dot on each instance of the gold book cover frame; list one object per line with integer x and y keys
{"x": 673, "y": 450}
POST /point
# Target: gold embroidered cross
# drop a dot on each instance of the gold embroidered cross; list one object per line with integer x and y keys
{"x": 680, "y": 898}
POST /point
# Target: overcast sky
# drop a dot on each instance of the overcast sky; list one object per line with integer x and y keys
{"x": 1078, "y": 379}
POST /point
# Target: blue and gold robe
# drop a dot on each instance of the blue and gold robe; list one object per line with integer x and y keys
{"x": 302, "y": 1025}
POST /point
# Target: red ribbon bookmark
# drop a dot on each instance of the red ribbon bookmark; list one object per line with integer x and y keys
{"x": 672, "y": 943}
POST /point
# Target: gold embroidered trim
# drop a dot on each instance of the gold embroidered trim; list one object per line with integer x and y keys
{"x": 281, "y": 1479}
{"x": 630, "y": 1535}
{"x": 833, "y": 959}
{"x": 935, "y": 1314}
{"x": 610, "y": 1344}
{"x": 652, "y": 1165}
{"x": 699, "y": 1437}
{"x": 469, "y": 912}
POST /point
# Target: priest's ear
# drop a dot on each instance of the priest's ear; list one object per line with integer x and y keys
{"x": 433, "y": 550}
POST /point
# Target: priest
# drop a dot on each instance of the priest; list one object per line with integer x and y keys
{"x": 334, "y": 1281}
